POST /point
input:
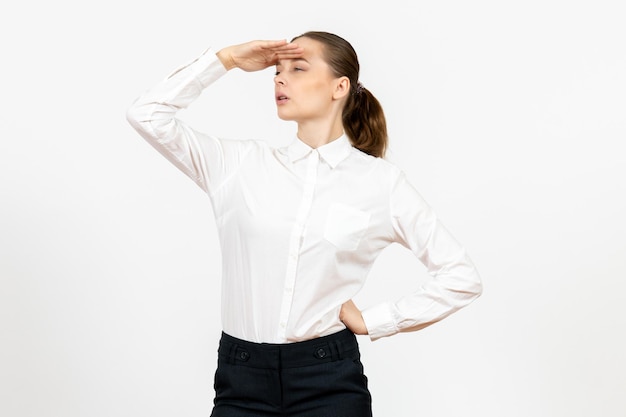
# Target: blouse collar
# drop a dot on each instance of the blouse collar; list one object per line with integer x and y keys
{"x": 333, "y": 152}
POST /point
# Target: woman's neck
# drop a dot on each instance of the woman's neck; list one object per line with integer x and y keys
{"x": 319, "y": 134}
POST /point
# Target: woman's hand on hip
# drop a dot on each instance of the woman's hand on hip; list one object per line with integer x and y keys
{"x": 351, "y": 316}
{"x": 258, "y": 55}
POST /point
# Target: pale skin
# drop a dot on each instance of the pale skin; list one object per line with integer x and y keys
{"x": 308, "y": 93}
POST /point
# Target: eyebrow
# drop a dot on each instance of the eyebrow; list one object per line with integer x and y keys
{"x": 292, "y": 60}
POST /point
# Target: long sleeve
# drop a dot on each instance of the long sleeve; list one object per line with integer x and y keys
{"x": 207, "y": 160}
{"x": 455, "y": 282}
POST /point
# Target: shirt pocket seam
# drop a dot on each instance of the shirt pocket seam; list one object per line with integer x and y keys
{"x": 345, "y": 226}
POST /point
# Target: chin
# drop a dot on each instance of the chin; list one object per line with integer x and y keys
{"x": 285, "y": 116}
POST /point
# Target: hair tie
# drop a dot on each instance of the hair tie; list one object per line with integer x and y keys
{"x": 359, "y": 88}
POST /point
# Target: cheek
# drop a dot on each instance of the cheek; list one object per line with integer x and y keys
{"x": 318, "y": 93}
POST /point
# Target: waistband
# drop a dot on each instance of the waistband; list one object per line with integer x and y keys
{"x": 329, "y": 348}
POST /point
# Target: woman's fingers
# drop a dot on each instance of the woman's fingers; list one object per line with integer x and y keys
{"x": 277, "y": 45}
{"x": 257, "y": 55}
{"x": 286, "y": 51}
{"x": 351, "y": 316}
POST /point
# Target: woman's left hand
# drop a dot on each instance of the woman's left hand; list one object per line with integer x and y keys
{"x": 351, "y": 316}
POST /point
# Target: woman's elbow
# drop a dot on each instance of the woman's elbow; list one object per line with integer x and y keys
{"x": 476, "y": 286}
{"x": 134, "y": 115}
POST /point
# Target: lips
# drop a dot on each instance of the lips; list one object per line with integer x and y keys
{"x": 281, "y": 98}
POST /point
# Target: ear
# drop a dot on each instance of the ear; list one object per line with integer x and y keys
{"x": 342, "y": 88}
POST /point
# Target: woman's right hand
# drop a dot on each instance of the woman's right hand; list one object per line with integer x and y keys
{"x": 258, "y": 55}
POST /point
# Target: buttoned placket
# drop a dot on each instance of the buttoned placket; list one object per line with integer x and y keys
{"x": 295, "y": 242}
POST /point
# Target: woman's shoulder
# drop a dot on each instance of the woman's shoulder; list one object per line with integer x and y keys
{"x": 381, "y": 165}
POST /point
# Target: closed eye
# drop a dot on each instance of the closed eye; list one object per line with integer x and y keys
{"x": 293, "y": 69}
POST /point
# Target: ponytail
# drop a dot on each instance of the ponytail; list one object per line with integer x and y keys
{"x": 364, "y": 122}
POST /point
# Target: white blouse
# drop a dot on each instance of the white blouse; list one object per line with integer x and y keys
{"x": 300, "y": 228}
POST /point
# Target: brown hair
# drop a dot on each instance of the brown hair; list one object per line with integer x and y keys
{"x": 363, "y": 117}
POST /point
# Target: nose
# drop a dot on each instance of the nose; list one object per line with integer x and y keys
{"x": 278, "y": 80}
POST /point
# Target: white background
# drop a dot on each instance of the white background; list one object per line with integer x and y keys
{"x": 509, "y": 117}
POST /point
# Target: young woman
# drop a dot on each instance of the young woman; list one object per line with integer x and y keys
{"x": 300, "y": 227}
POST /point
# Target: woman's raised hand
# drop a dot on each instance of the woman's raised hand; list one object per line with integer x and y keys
{"x": 258, "y": 55}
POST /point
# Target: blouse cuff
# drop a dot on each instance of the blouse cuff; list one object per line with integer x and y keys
{"x": 379, "y": 321}
{"x": 206, "y": 68}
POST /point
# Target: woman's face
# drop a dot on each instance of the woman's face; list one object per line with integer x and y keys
{"x": 305, "y": 87}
